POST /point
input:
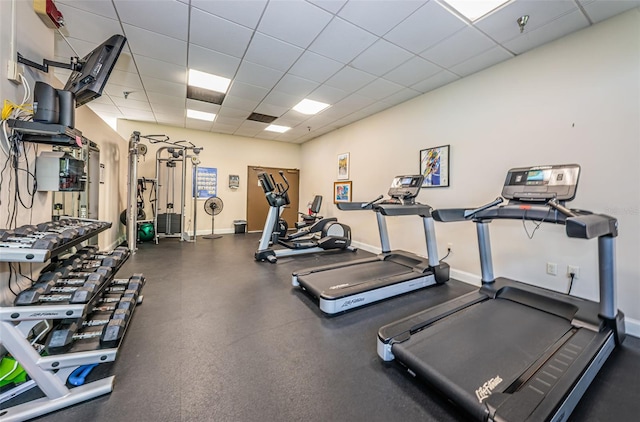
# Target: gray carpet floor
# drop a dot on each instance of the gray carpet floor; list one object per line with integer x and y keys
{"x": 221, "y": 337}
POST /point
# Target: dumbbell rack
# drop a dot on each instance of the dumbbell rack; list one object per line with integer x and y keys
{"x": 23, "y": 253}
{"x": 50, "y": 373}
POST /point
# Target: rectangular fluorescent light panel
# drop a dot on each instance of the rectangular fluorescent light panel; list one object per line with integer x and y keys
{"x": 200, "y": 115}
{"x": 310, "y": 107}
{"x": 475, "y": 9}
{"x": 277, "y": 128}
{"x": 208, "y": 81}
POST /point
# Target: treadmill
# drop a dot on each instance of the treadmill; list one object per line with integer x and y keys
{"x": 344, "y": 286}
{"x": 512, "y": 351}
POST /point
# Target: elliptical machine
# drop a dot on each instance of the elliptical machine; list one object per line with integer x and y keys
{"x": 324, "y": 235}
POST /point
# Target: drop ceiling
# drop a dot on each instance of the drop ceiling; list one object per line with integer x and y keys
{"x": 360, "y": 56}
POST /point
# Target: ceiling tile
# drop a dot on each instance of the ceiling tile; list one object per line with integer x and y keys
{"x": 202, "y": 106}
{"x": 481, "y": 61}
{"x": 104, "y": 108}
{"x": 170, "y": 18}
{"x": 218, "y": 34}
{"x": 378, "y": 16}
{"x": 161, "y": 109}
{"x": 315, "y": 67}
{"x": 271, "y": 109}
{"x": 604, "y": 9}
{"x": 459, "y": 47}
{"x": 80, "y": 47}
{"x": 131, "y": 103}
{"x": 351, "y": 104}
{"x": 272, "y": 53}
{"x": 161, "y": 70}
{"x": 135, "y": 114}
{"x": 304, "y": 22}
{"x": 164, "y": 87}
{"x": 380, "y": 58}
{"x": 125, "y": 62}
{"x": 501, "y": 25}
{"x": 332, "y": 6}
{"x": 245, "y": 12}
{"x": 439, "y": 79}
{"x": 349, "y": 79}
{"x": 424, "y": 28}
{"x": 240, "y": 103}
{"x": 90, "y": 27}
{"x": 402, "y": 96}
{"x": 247, "y": 91}
{"x": 281, "y": 99}
{"x": 328, "y": 94}
{"x": 197, "y": 124}
{"x": 380, "y": 89}
{"x": 171, "y": 119}
{"x": 229, "y": 112}
{"x": 412, "y": 71}
{"x": 118, "y": 91}
{"x": 168, "y": 100}
{"x": 231, "y": 121}
{"x": 221, "y": 127}
{"x": 342, "y": 41}
{"x": 130, "y": 80}
{"x": 291, "y": 118}
{"x": 156, "y": 46}
{"x": 555, "y": 29}
{"x": 210, "y": 61}
{"x": 296, "y": 86}
{"x": 102, "y": 8}
{"x": 257, "y": 75}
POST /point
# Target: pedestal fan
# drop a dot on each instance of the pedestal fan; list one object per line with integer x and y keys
{"x": 213, "y": 206}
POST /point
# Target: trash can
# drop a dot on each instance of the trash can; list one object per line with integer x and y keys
{"x": 240, "y": 226}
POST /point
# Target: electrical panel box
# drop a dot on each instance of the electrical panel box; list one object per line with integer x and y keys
{"x": 58, "y": 171}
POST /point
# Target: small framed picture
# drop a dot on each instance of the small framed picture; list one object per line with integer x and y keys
{"x": 341, "y": 192}
{"x": 343, "y": 166}
{"x": 434, "y": 166}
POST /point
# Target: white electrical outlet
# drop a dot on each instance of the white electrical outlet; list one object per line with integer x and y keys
{"x": 552, "y": 268}
{"x": 13, "y": 72}
{"x": 573, "y": 269}
{"x": 450, "y": 246}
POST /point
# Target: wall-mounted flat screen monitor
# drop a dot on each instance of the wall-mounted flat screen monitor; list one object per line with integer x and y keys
{"x": 88, "y": 81}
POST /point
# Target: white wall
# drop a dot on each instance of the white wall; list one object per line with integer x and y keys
{"x": 35, "y": 41}
{"x": 575, "y": 100}
{"x": 229, "y": 154}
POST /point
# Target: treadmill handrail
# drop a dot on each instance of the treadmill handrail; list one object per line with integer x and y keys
{"x": 422, "y": 210}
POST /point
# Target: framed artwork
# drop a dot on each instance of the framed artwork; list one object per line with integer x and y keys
{"x": 341, "y": 192}
{"x": 434, "y": 166}
{"x": 343, "y": 166}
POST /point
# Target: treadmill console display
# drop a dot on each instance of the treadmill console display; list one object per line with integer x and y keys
{"x": 541, "y": 183}
{"x": 405, "y": 187}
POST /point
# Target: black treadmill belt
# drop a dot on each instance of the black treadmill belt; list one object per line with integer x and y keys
{"x": 481, "y": 350}
{"x": 345, "y": 277}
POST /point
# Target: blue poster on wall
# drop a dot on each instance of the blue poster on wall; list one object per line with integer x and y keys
{"x": 205, "y": 182}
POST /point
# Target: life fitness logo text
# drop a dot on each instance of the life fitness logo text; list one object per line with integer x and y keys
{"x": 487, "y": 388}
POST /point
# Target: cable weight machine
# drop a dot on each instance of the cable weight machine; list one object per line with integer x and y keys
{"x": 169, "y": 187}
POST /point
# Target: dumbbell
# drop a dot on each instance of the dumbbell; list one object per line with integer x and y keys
{"x": 71, "y": 294}
{"x": 84, "y": 272}
{"x": 43, "y": 241}
{"x": 135, "y": 282}
{"x": 54, "y": 279}
{"x": 128, "y": 302}
{"x": 64, "y": 336}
